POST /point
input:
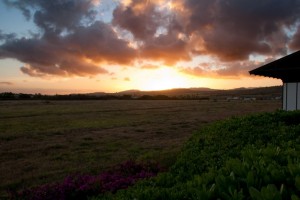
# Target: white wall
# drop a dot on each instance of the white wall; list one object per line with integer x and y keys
{"x": 298, "y": 98}
{"x": 291, "y": 96}
{"x": 284, "y": 97}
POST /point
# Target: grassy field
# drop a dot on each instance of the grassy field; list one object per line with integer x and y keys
{"x": 43, "y": 141}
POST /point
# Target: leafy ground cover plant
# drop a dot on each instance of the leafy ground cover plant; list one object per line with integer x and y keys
{"x": 253, "y": 157}
{"x": 82, "y": 186}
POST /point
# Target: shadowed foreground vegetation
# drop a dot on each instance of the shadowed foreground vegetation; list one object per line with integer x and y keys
{"x": 45, "y": 141}
{"x": 253, "y": 157}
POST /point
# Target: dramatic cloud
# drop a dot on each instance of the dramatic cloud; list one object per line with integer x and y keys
{"x": 295, "y": 44}
{"x": 150, "y": 67}
{"x": 56, "y": 15}
{"x": 73, "y": 42}
{"x": 225, "y": 73}
{"x": 6, "y": 37}
{"x": 99, "y": 42}
{"x": 155, "y": 27}
{"x": 232, "y": 29}
{"x": 44, "y": 57}
{"x": 138, "y": 17}
{"x": 79, "y": 53}
{"x": 226, "y": 70}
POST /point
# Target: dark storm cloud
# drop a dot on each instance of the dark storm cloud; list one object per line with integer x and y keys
{"x": 55, "y": 15}
{"x": 43, "y": 57}
{"x": 295, "y": 43}
{"x": 157, "y": 29}
{"x": 75, "y": 54}
{"x": 229, "y": 30}
{"x": 100, "y": 43}
{"x": 141, "y": 19}
{"x": 233, "y": 29}
{"x": 72, "y": 42}
{"x": 65, "y": 47}
{"x": 165, "y": 48}
{"x": 6, "y": 37}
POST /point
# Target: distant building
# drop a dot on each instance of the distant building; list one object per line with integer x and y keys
{"x": 233, "y": 98}
{"x": 288, "y": 70}
{"x": 249, "y": 99}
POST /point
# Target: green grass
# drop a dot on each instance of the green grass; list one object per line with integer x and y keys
{"x": 44, "y": 142}
{"x": 252, "y": 157}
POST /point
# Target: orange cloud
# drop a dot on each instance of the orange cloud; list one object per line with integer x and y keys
{"x": 225, "y": 70}
{"x": 6, "y": 83}
{"x": 295, "y": 43}
{"x": 73, "y": 42}
{"x": 151, "y": 67}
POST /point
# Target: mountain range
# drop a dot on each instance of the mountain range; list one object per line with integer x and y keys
{"x": 273, "y": 90}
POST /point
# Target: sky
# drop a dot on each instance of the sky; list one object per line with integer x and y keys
{"x": 81, "y": 46}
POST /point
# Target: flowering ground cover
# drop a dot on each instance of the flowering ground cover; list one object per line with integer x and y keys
{"x": 82, "y": 186}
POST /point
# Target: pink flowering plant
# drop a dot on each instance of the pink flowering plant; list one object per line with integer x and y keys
{"x": 82, "y": 186}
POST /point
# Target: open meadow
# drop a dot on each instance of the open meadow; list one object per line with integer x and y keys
{"x": 44, "y": 141}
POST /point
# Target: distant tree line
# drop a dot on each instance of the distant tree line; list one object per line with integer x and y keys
{"x": 38, "y": 96}
{"x": 207, "y": 97}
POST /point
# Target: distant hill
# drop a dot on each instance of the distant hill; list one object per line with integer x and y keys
{"x": 169, "y": 92}
{"x": 182, "y": 91}
{"x": 96, "y": 94}
{"x": 262, "y": 93}
{"x": 276, "y": 90}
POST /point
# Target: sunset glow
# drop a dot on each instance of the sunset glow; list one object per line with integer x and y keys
{"x": 103, "y": 45}
{"x": 164, "y": 78}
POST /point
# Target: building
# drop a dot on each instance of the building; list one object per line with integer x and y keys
{"x": 288, "y": 70}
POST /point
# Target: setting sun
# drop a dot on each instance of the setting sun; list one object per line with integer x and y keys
{"x": 163, "y": 78}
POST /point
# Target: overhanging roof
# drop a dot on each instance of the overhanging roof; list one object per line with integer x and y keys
{"x": 286, "y": 68}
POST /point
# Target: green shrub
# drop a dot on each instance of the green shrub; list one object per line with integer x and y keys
{"x": 253, "y": 157}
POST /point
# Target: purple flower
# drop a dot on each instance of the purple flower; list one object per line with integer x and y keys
{"x": 81, "y": 186}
